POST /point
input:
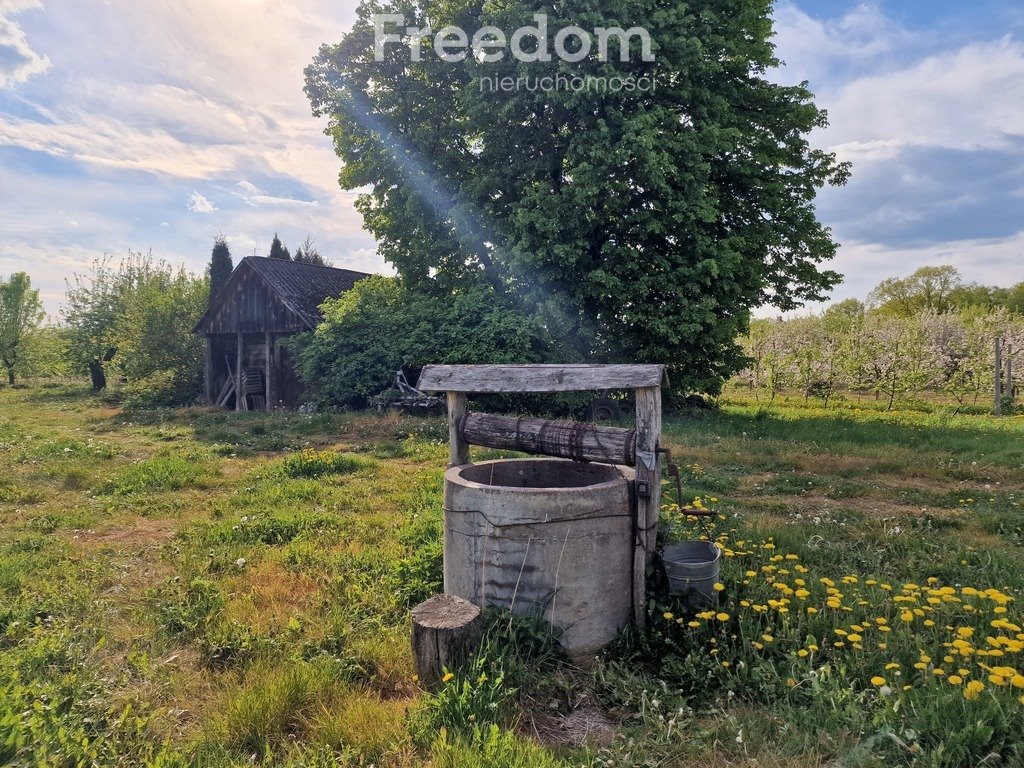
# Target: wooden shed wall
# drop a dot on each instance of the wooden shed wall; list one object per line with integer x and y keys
{"x": 250, "y": 307}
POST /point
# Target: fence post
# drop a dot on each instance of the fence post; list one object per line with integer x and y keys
{"x": 999, "y": 377}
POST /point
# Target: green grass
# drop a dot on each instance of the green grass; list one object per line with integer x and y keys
{"x": 205, "y": 588}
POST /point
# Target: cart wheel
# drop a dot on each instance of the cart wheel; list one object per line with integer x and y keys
{"x": 602, "y": 409}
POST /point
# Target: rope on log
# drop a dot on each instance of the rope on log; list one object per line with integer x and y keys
{"x": 563, "y": 439}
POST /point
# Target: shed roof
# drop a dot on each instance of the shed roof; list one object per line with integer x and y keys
{"x": 304, "y": 287}
{"x": 301, "y": 287}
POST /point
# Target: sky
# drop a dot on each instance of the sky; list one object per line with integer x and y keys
{"x": 144, "y": 124}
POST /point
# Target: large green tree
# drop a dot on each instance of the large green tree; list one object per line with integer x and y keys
{"x": 137, "y": 315}
{"x": 635, "y": 225}
{"x": 21, "y": 313}
{"x": 92, "y": 306}
{"x": 927, "y": 289}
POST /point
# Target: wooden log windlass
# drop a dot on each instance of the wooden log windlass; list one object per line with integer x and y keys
{"x": 564, "y": 439}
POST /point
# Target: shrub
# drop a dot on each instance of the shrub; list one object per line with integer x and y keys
{"x": 160, "y": 389}
{"x": 380, "y": 326}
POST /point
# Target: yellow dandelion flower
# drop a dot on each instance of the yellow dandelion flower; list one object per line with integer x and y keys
{"x": 876, "y": 680}
{"x": 722, "y": 616}
{"x": 448, "y": 677}
{"x": 973, "y": 689}
{"x": 668, "y": 616}
{"x": 955, "y": 679}
{"x": 1017, "y": 681}
{"x": 719, "y": 586}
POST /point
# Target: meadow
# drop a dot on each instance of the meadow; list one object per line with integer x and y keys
{"x": 190, "y": 587}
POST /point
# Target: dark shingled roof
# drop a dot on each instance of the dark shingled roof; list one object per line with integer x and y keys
{"x": 303, "y": 287}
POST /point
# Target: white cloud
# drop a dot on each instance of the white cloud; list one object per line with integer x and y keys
{"x": 968, "y": 99}
{"x": 864, "y": 37}
{"x": 253, "y": 195}
{"x": 18, "y": 62}
{"x": 108, "y": 143}
{"x": 199, "y": 204}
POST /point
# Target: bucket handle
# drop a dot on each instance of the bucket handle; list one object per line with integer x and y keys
{"x": 700, "y": 514}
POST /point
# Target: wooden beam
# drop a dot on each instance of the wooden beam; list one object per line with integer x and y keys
{"x": 458, "y": 448}
{"x": 239, "y": 396}
{"x": 648, "y": 484}
{"x": 999, "y": 376}
{"x": 208, "y": 394}
{"x": 566, "y": 439}
{"x": 539, "y": 378}
{"x": 269, "y": 370}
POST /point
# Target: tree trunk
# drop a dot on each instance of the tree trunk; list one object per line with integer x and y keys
{"x": 446, "y": 630}
{"x": 10, "y": 375}
{"x": 99, "y": 378}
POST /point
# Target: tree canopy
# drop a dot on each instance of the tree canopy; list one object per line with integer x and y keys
{"x": 221, "y": 265}
{"x": 279, "y": 251}
{"x": 309, "y": 253}
{"x": 138, "y": 315}
{"x": 942, "y": 289}
{"x": 634, "y": 225}
{"x": 21, "y": 313}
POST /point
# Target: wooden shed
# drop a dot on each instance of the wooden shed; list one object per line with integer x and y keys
{"x": 264, "y": 302}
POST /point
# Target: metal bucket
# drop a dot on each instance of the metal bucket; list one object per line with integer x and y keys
{"x": 693, "y": 568}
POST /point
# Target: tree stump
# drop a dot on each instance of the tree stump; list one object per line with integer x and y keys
{"x": 445, "y": 632}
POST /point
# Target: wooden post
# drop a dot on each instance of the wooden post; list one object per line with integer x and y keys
{"x": 999, "y": 375}
{"x": 446, "y": 630}
{"x": 208, "y": 393}
{"x": 458, "y": 449}
{"x": 1008, "y": 391}
{"x": 648, "y": 483}
{"x": 269, "y": 370}
{"x": 239, "y": 397}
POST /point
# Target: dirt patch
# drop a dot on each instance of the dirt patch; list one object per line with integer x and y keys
{"x": 268, "y": 595}
{"x": 587, "y": 724}
{"x": 139, "y": 533}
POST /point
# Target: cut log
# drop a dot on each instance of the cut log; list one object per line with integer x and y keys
{"x": 565, "y": 439}
{"x": 446, "y": 630}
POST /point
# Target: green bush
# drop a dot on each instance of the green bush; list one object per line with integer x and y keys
{"x": 160, "y": 389}
{"x": 380, "y": 326}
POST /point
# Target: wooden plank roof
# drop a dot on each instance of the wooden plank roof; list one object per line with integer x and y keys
{"x": 300, "y": 287}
